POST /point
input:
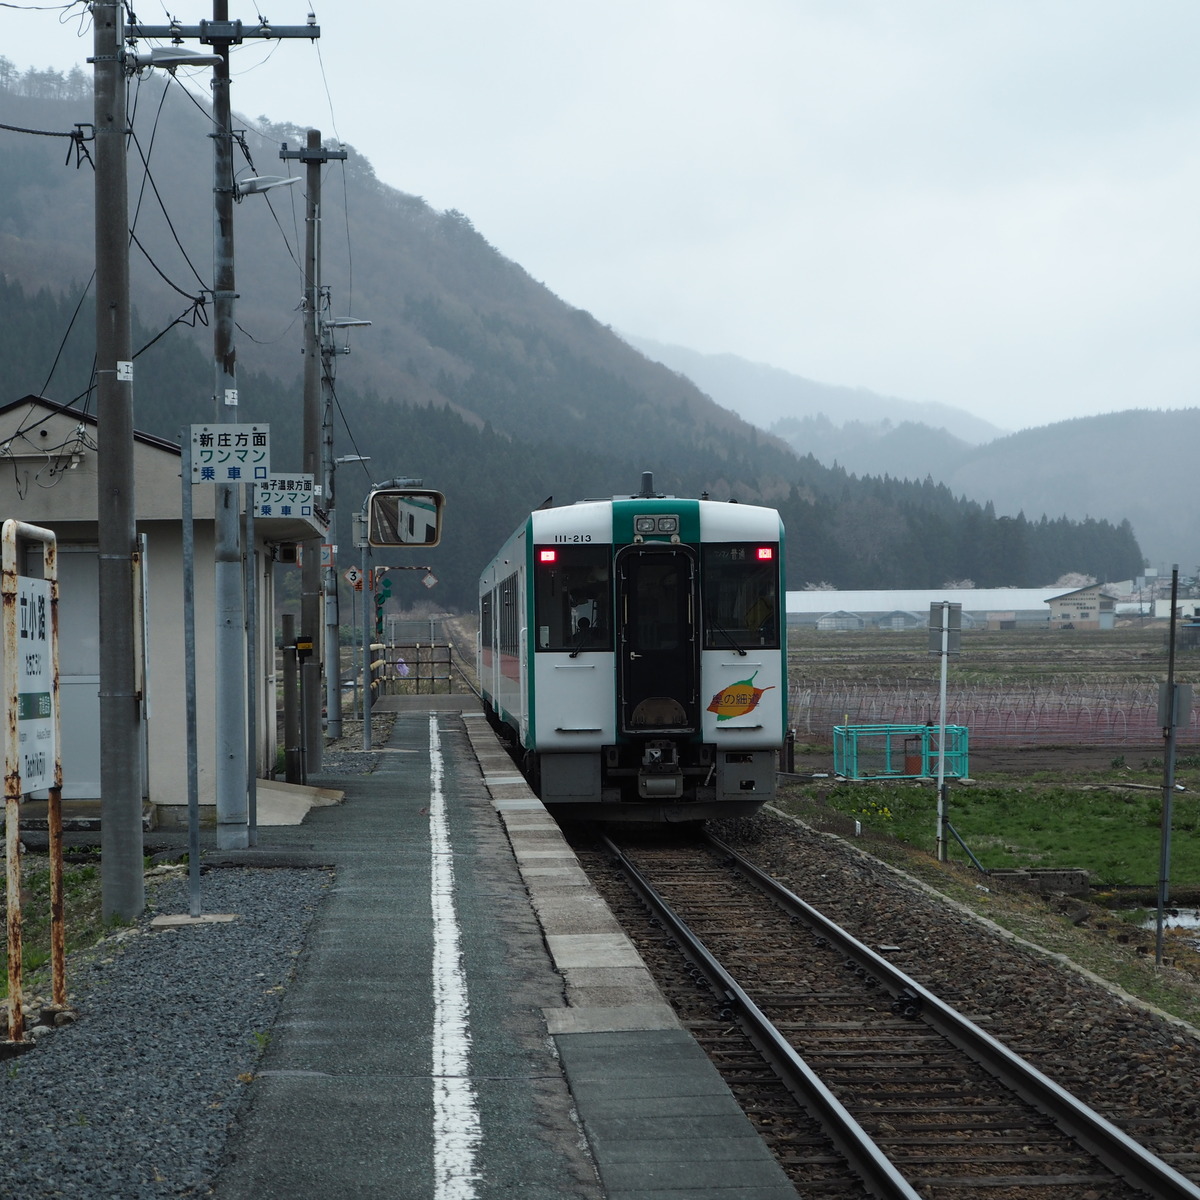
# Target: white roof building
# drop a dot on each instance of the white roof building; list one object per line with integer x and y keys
{"x": 989, "y": 607}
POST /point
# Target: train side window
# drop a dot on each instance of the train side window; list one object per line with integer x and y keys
{"x": 741, "y": 595}
{"x": 573, "y": 597}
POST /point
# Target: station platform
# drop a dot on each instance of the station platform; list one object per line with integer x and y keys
{"x": 467, "y": 1019}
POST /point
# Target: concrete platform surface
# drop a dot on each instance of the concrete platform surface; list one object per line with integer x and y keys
{"x": 468, "y": 1019}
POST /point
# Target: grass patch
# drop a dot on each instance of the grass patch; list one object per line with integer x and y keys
{"x": 1107, "y": 830}
{"x": 82, "y": 908}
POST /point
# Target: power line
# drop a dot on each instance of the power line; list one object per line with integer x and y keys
{"x": 148, "y": 179}
{"x": 70, "y": 325}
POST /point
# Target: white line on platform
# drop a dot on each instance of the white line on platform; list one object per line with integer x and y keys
{"x": 456, "y": 1131}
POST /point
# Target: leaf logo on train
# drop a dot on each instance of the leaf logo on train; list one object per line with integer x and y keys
{"x": 737, "y": 699}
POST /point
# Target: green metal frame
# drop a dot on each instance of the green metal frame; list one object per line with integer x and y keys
{"x": 898, "y": 751}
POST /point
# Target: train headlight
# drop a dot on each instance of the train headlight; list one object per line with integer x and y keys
{"x": 643, "y": 524}
{"x": 668, "y": 524}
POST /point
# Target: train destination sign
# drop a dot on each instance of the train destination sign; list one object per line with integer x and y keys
{"x": 231, "y": 453}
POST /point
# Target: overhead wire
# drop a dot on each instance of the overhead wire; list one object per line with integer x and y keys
{"x": 195, "y": 310}
{"x": 148, "y": 180}
{"x": 70, "y": 325}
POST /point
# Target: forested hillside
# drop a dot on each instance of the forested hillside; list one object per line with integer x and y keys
{"x": 472, "y": 375}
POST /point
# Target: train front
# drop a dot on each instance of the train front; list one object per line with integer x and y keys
{"x": 659, "y": 665}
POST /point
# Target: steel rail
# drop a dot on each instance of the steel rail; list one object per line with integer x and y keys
{"x": 879, "y": 1174}
{"x": 1110, "y": 1145}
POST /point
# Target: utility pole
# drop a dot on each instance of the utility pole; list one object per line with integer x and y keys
{"x": 333, "y": 654}
{"x": 231, "y": 771}
{"x": 123, "y": 891}
{"x": 233, "y": 814}
{"x": 315, "y": 461}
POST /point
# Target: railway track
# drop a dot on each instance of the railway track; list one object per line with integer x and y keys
{"x": 863, "y": 1081}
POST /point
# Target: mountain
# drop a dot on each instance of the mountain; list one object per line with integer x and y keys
{"x": 765, "y": 395}
{"x": 473, "y": 375}
{"x": 1109, "y": 467}
{"x": 908, "y": 450}
{"x": 1128, "y": 465}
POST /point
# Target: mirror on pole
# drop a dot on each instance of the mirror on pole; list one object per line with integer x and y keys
{"x": 404, "y": 517}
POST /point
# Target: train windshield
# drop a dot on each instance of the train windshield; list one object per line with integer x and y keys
{"x": 741, "y": 595}
{"x": 573, "y": 597}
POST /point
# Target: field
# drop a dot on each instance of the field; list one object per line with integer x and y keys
{"x": 1064, "y": 793}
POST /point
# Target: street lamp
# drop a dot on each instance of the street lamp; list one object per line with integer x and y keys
{"x": 255, "y": 184}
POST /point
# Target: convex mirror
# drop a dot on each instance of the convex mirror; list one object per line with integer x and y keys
{"x": 404, "y": 517}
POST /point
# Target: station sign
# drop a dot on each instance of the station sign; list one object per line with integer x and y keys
{"x": 231, "y": 453}
{"x": 35, "y": 685}
{"x": 285, "y": 496}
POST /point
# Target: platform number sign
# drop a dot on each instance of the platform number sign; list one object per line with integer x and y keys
{"x": 35, "y": 685}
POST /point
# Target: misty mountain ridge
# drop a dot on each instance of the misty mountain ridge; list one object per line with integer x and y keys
{"x": 765, "y": 395}
{"x": 1109, "y": 467}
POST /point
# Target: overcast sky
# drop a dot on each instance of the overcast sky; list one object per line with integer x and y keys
{"x": 994, "y": 204}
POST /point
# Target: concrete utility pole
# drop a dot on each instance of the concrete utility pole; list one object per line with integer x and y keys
{"x": 315, "y": 461}
{"x": 231, "y": 771}
{"x": 122, "y": 888}
{"x": 333, "y": 654}
{"x": 233, "y": 830}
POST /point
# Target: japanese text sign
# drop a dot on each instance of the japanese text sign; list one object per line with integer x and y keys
{"x": 231, "y": 453}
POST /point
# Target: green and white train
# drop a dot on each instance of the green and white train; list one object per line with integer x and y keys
{"x": 634, "y": 649}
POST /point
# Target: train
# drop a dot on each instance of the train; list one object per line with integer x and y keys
{"x": 633, "y": 650}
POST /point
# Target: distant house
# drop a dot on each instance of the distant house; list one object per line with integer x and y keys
{"x": 900, "y": 609}
{"x": 898, "y": 620}
{"x": 1084, "y": 608}
{"x": 840, "y": 622}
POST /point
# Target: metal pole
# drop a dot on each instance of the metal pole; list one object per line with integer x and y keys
{"x": 250, "y": 575}
{"x": 293, "y": 770}
{"x": 189, "y": 673}
{"x": 12, "y": 793}
{"x": 366, "y": 642}
{"x": 1168, "y": 800}
{"x": 230, "y": 773}
{"x": 123, "y": 892}
{"x": 58, "y": 915}
{"x": 310, "y": 570}
{"x": 333, "y": 652}
{"x": 941, "y": 783}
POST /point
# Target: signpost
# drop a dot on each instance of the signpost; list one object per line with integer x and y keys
{"x": 219, "y": 454}
{"x": 32, "y": 760}
{"x": 945, "y": 626}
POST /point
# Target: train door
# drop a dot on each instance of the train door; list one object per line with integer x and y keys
{"x": 657, "y": 639}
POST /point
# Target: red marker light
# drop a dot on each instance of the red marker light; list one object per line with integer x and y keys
{"x": 765, "y": 553}
{"x": 547, "y": 556}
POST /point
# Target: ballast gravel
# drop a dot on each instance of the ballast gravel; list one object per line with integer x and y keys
{"x": 135, "y": 1098}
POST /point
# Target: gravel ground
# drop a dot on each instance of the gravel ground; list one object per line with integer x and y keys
{"x": 1128, "y": 1062}
{"x": 134, "y": 1098}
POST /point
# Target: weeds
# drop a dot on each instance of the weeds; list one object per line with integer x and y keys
{"x": 1113, "y": 834}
